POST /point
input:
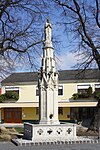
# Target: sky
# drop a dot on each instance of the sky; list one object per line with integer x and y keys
{"x": 65, "y": 59}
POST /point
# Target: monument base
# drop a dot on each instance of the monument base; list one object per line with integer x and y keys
{"x": 49, "y": 122}
{"x": 36, "y": 132}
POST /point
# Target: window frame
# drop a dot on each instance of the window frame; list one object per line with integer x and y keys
{"x": 83, "y": 87}
{"x": 97, "y": 87}
{"x": 62, "y": 88}
{"x": 37, "y": 91}
{"x": 12, "y": 88}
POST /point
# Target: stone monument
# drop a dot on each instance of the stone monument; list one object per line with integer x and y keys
{"x": 48, "y": 82}
{"x": 49, "y": 127}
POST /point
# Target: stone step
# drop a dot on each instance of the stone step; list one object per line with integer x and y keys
{"x": 23, "y": 142}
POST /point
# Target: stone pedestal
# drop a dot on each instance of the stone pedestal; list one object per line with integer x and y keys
{"x": 38, "y": 132}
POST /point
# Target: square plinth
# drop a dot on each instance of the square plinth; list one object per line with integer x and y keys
{"x": 44, "y": 132}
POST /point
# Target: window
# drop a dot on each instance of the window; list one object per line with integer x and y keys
{"x": 37, "y": 91}
{"x": 97, "y": 87}
{"x": 82, "y": 88}
{"x": 60, "y": 90}
{"x": 13, "y": 89}
{"x": 60, "y": 111}
{"x": 12, "y": 93}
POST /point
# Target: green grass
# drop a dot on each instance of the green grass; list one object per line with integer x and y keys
{"x": 19, "y": 129}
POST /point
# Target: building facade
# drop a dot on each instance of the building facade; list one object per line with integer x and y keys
{"x": 73, "y": 94}
{"x": 70, "y": 108}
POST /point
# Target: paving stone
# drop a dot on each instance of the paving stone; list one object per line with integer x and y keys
{"x": 77, "y": 146}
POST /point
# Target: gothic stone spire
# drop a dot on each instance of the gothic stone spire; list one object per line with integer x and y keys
{"x": 48, "y": 82}
{"x": 48, "y": 34}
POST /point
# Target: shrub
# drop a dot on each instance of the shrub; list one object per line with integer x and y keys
{"x": 83, "y": 95}
{"x": 89, "y": 92}
{"x": 80, "y": 95}
{"x": 75, "y": 96}
{"x": 15, "y": 96}
{"x": 2, "y": 97}
{"x": 10, "y": 95}
{"x": 97, "y": 95}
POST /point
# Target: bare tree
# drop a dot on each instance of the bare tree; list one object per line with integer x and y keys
{"x": 20, "y": 31}
{"x": 82, "y": 20}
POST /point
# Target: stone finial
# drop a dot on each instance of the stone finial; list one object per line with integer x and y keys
{"x": 48, "y": 33}
{"x": 48, "y": 20}
{"x": 48, "y": 24}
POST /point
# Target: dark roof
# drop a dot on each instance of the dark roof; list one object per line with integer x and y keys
{"x": 63, "y": 75}
{"x": 21, "y": 77}
{"x": 79, "y": 74}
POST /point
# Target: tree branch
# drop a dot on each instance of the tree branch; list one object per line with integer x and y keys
{"x": 65, "y": 5}
{"x": 97, "y": 14}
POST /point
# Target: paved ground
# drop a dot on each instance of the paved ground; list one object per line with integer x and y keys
{"x": 11, "y": 146}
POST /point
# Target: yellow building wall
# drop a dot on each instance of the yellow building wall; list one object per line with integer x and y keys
{"x": 70, "y": 88}
{"x": 29, "y": 114}
{"x": 27, "y": 93}
{"x": 66, "y": 114}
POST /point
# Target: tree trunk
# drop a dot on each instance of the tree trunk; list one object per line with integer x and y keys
{"x": 95, "y": 123}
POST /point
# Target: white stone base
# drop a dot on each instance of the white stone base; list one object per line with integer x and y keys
{"x": 43, "y": 132}
{"x": 49, "y": 122}
{"x": 77, "y": 140}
